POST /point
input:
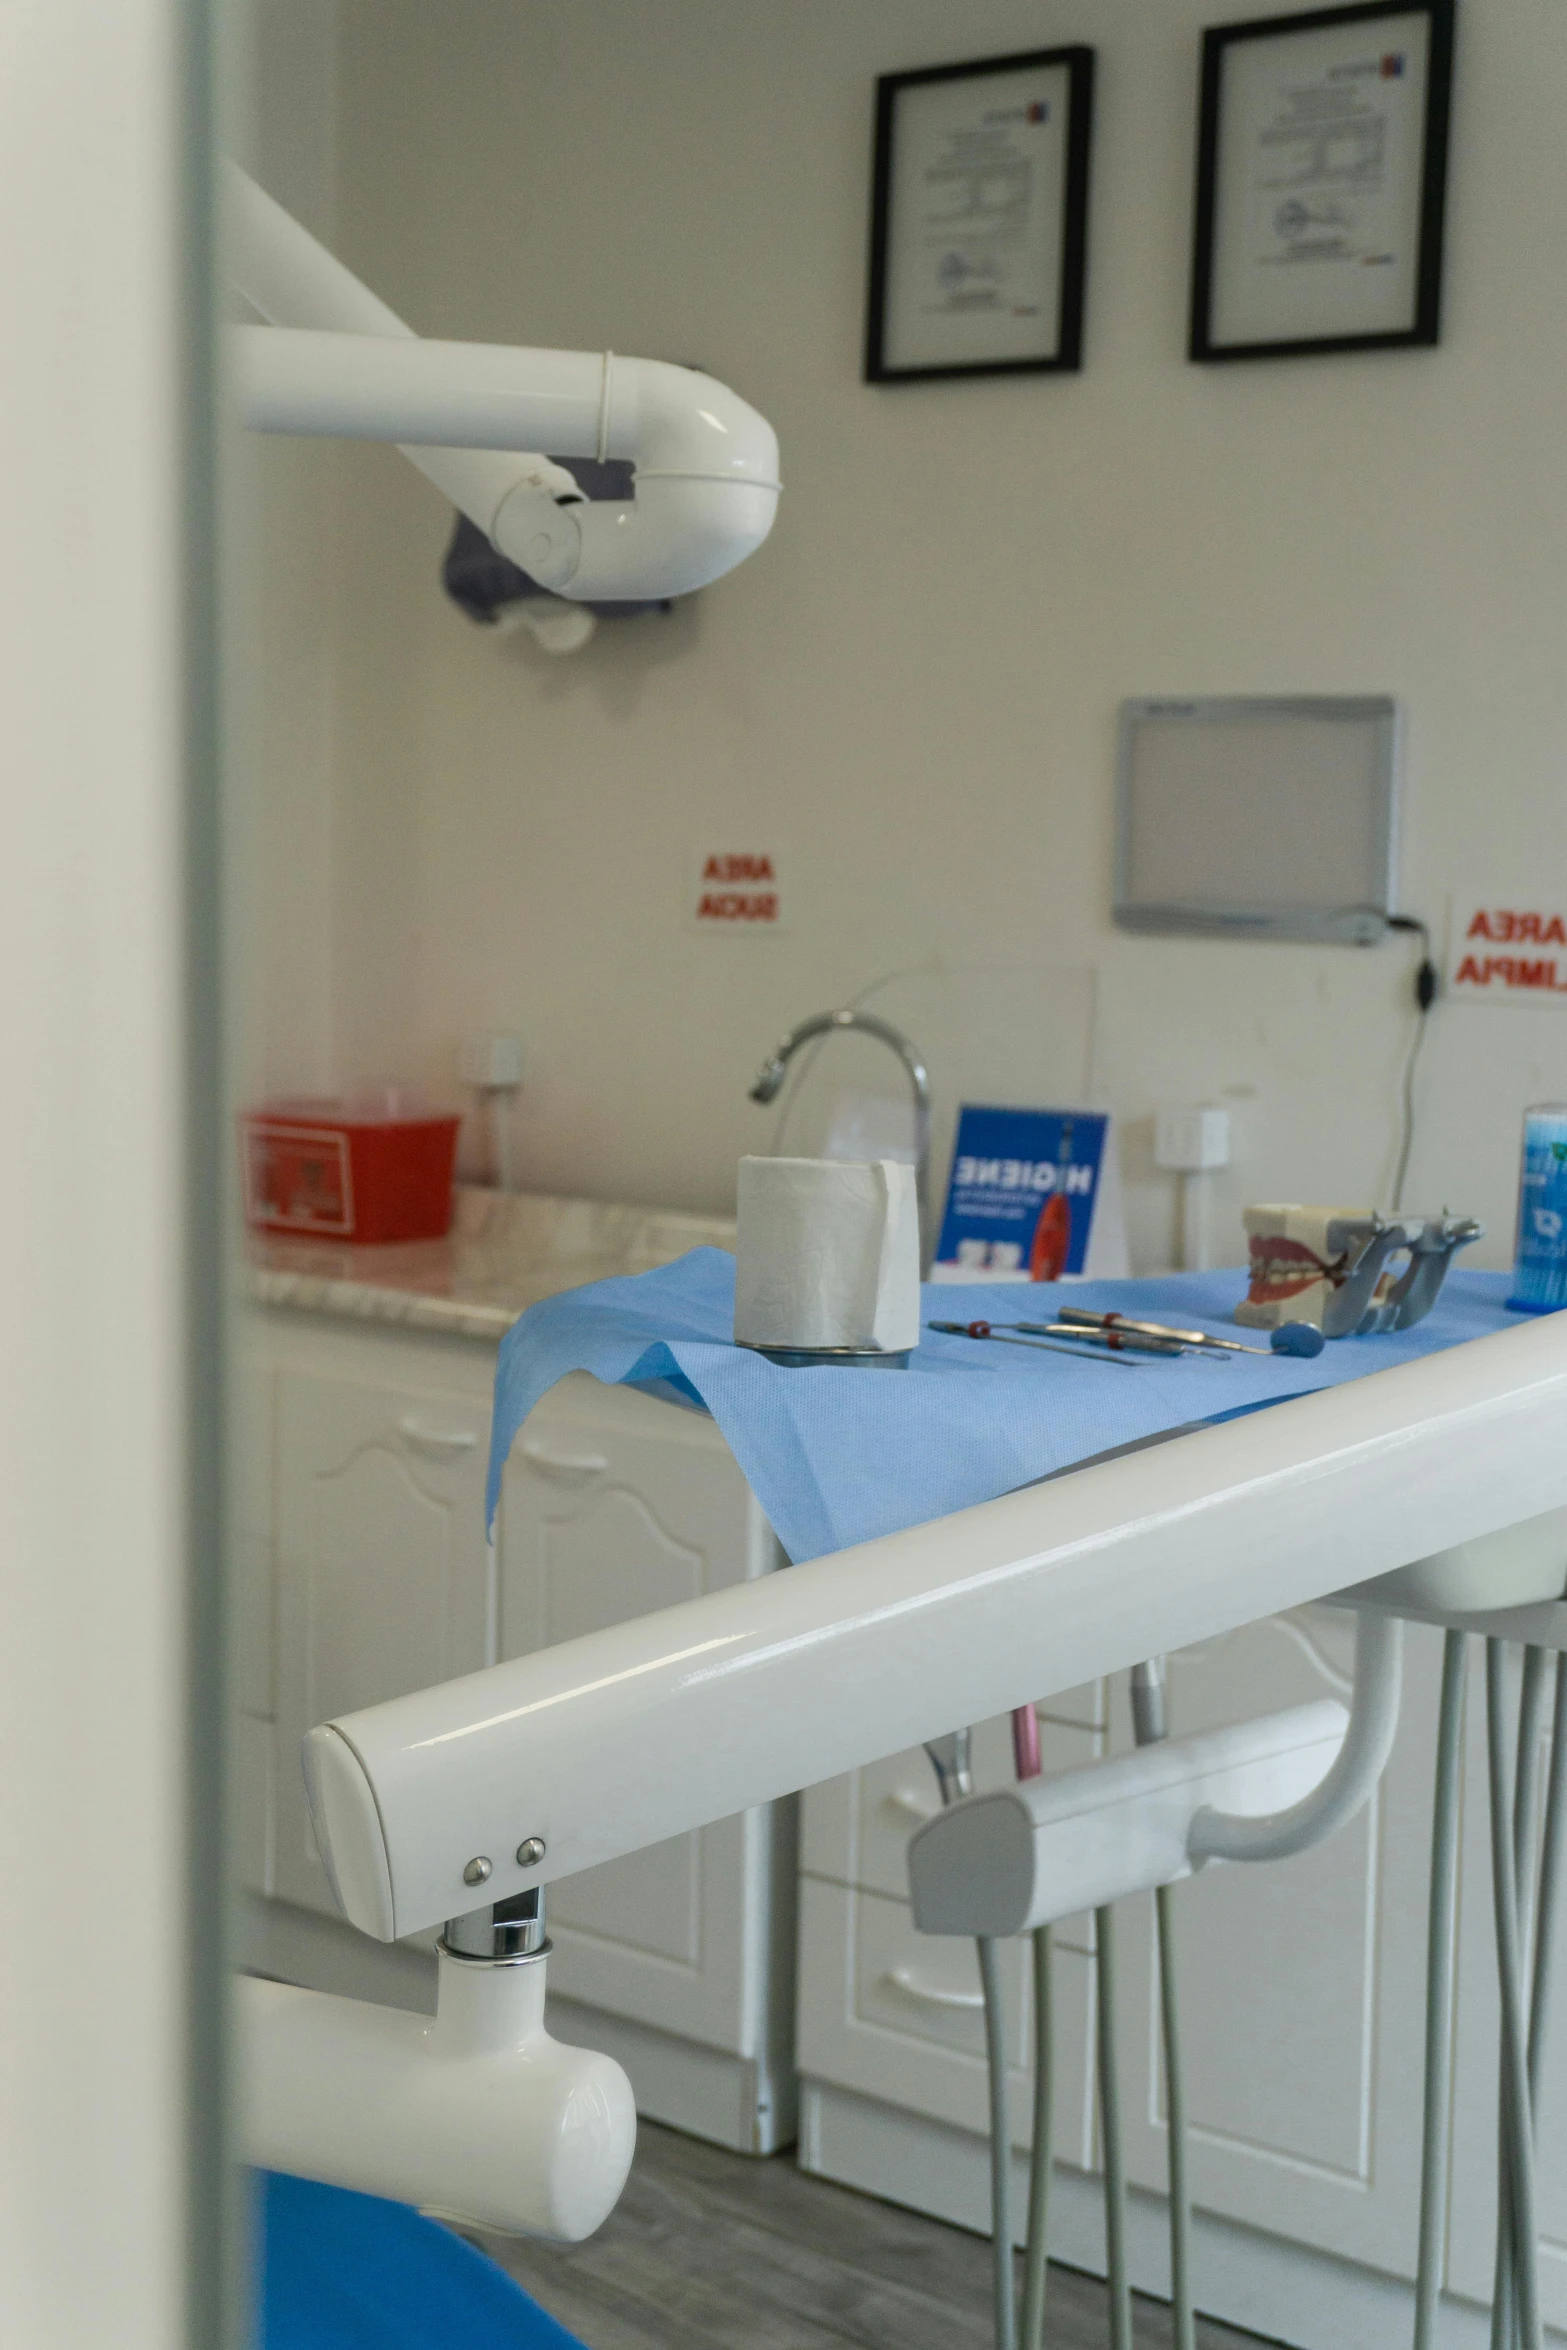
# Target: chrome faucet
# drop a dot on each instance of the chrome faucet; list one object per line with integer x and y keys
{"x": 771, "y": 1076}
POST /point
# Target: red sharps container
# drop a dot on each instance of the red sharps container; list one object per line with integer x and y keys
{"x": 325, "y": 1172}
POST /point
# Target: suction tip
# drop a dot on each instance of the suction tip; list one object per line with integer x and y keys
{"x": 1297, "y": 1338}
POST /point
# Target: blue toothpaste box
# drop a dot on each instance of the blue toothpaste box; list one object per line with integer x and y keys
{"x": 1034, "y": 1196}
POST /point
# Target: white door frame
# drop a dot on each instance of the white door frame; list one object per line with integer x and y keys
{"x": 112, "y": 2186}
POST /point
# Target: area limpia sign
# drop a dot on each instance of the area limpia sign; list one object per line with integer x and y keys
{"x": 1507, "y": 952}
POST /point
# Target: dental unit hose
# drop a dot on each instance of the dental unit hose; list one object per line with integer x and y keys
{"x": 1036, "y": 2242}
{"x": 1150, "y": 1726}
{"x": 1110, "y": 2132}
{"x": 1518, "y": 2207}
{"x": 1442, "y": 1926}
{"x": 1531, "y": 1704}
{"x": 950, "y": 1760}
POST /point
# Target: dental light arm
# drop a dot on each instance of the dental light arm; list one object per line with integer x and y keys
{"x": 605, "y": 1744}
{"x": 472, "y": 417}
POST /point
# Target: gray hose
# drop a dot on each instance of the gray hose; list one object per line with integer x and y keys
{"x": 1519, "y": 2139}
{"x": 1037, "y": 2259}
{"x": 1110, "y": 2130}
{"x": 1546, "y": 1924}
{"x": 1554, "y": 1851}
{"x": 1531, "y": 1706}
{"x": 1150, "y": 1726}
{"x": 1183, "y": 2327}
{"x": 1000, "y": 2145}
{"x": 1439, "y": 1988}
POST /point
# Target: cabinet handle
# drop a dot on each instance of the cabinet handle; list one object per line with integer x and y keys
{"x": 438, "y": 1439}
{"x": 913, "y": 1807}
{"x": 565, "y": 1464}
{"x": 904, "y": 1979}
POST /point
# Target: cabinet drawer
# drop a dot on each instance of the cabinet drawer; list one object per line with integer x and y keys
{"x": 896, "y": 2015}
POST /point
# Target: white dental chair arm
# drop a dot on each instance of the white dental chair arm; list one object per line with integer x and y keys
{"x": 336, "y": 360}
{"x": 604, "y": 1744}
{"x": 475, "y": 2112}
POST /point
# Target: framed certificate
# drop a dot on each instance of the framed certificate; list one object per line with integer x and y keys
{"x": 979, "y": 217}
{"x": 1321, "y": 177}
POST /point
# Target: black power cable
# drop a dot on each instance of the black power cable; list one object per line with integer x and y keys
{"x": 1426, "y": 984}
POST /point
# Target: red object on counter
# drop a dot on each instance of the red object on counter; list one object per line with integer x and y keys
{"x": 321, "y": 1172}
{"x": 1052, "y": 1239}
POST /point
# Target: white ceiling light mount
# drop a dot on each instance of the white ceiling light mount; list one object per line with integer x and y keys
{"x": 473, "y": 417}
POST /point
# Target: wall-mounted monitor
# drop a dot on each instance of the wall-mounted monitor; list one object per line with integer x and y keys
{"x": 1268, "y": 817}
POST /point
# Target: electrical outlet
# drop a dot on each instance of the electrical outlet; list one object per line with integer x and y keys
{"x": 493, "y": 1063}
{"x": 1189, "y": 1140}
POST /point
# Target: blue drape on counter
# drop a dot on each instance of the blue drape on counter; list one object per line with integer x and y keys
{"x": 839, "y": 1456}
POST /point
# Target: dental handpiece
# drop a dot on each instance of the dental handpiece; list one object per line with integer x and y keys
{"x": 1290, "y": 1338}
{"x": 1119, "y": 1338}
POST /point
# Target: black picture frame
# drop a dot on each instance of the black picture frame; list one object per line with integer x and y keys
{"x": 1425, "y": 327}
{"x": 1067, "y": 353}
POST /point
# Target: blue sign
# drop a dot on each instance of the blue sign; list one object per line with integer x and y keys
{"x": 1023, "y": 1191}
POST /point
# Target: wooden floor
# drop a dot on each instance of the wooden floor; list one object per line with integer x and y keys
{"x": 713, "y": 2251}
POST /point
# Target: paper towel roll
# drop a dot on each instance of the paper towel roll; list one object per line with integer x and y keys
{"x": 828, "y": 1254}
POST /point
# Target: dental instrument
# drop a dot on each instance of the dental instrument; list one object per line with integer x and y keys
{"x": 1078, "y": 1354}
{"x": 1290, "y": 1338}
{"x": 1114, "y": 1340}
{"x": 770, "y": 1077}
{"x": 335, "y": 360}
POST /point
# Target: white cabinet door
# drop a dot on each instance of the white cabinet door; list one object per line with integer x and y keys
{"x": 1301, "y": 1981}
{"x": 896, "y": 2015}
{"x": 615, "y": 1505}
{"x": 382, "y": 1571}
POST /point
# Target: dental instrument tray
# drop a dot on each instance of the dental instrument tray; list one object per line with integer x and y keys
{"x": 835, "y": 1459}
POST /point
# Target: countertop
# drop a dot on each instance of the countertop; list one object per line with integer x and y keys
{"x": 504, "y": 1252}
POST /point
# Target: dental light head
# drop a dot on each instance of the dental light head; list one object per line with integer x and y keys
{"x": 474, "y": 418}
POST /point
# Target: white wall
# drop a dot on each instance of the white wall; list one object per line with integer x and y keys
{"x": 913, "y": 688}
{"x": 284, "y": 545}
